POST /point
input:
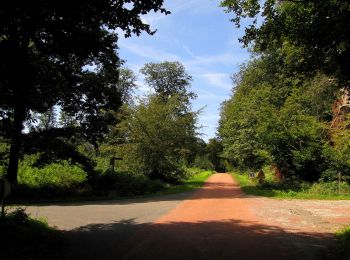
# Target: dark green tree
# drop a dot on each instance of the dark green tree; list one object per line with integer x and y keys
{"x": 317, "y": 31}
{"x": 214, "y": 149}
{"x": 45, "y": 48}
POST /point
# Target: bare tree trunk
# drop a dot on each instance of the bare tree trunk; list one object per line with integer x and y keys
{"x": 16, "y": 142}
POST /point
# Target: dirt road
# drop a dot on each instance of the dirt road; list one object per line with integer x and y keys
{"x": 216, "y": 222}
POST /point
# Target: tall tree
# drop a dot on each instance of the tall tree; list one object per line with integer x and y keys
{"x": 158, "y": 137}
{"x": 168, "y": 79}
{"x": 45, "y": 47}
{"x": 318, "y": 31}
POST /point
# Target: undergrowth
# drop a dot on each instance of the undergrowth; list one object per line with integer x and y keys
{"x": 26, "y": 238}
{"x": 292, "y": 189}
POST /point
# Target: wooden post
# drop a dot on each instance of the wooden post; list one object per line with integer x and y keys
{"x": 112, "y": 162}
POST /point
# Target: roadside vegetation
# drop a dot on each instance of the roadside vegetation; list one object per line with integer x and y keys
{"x": 153, "y": 148}
{"x": 73, "y": 124}
{"x": 271, "y": 187}
{"x": 197, "y": 179}
{"x": 288, "y": 114}
{"x": 37, "y": 240}
{"x": 342, "y": 250}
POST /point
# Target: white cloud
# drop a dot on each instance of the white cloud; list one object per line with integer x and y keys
{"x": 218, "y": 79}
{"x": 148, "y": 52}
{"x": 207, "y": 95}
{"x": 223, "y": 58}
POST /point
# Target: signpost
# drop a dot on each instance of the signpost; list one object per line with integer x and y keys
{"x": 112, "y": 162}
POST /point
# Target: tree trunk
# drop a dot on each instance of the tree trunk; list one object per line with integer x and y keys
{"x": 19, "y": 79}
{"x": 16, "y": 142}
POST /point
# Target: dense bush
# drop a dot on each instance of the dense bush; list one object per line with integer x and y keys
{"x": 60, "y": 174}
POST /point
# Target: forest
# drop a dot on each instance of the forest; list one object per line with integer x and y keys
{"x": 289, "y": 109}
{"x": 71, "y": 124}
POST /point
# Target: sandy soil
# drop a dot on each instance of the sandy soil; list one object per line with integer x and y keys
{"x": 216, "y": 222}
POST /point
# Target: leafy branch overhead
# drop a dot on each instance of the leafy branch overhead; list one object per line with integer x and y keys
{"x": 46, "y": 48}
{"x": 318, "y": 30}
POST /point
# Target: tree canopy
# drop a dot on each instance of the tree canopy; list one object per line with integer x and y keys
{"x": 317, "y": 31}
{"x": 46, "y": 48}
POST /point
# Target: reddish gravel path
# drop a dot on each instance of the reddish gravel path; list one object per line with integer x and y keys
{"x": 219, "y": 222}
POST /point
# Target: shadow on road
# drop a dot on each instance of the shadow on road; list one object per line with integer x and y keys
{"x": 231, "y": 239}
{"x": 212, "y": 190}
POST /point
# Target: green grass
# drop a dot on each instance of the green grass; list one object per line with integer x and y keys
{"x": 342, "y": 247}
{"x": 271, "y": 189}
{"x": 127, "y": 189}
{"x": 194, "y": 182}
{"x": 26, "y": 238}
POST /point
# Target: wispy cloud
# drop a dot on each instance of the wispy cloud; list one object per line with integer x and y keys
{"x": 148, "y": 52}
{"x": 226, "y": 58}
{"x": 218, "y": 79}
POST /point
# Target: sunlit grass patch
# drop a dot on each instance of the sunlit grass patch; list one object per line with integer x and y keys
{"x": 295, "y": 190}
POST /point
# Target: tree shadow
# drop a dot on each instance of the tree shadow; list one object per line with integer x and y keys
{"x": 227, "y": 239}
{"x": 211, "y": 190}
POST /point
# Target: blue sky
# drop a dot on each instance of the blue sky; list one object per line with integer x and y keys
{"x": 199, "y": 35}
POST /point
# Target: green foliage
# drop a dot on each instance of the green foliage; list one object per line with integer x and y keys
{"x": 292, "y": 189}
{"x": 46, "y": 50}
{"x": 159, "y": 136}
{"x": 214, "y": 150}
{"x": 125, "y": 184}
{"x": 28, "y": 238}
{"x": 275, "y": 118}
{"x": 59, "y": 175}
{"x": 317, "y": 30}
{"x": 196, "y": 179}
{"x": 338, "y": 151}
{"x": 4, "y": 150}
{"x": 168, "y": 78}
{"x": 203, "y": 162}
{"x": 342, "y": 249}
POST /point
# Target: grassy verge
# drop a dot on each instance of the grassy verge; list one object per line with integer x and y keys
{"x": 342, "y": 248}
{"x": 126, "y": 189}
{"x": 275, "y": 190}
{"x": 26, "y": 238}
{"x": 194, "y": 182}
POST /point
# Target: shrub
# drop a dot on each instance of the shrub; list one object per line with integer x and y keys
{"x": 330, "y": 188}
{"x": 60, "y": 174}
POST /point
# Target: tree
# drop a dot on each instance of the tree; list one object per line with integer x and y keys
{"x": 214, "y": 149}
{"x": 161, "y": 130}
{"x": 126, "y": 84}
{"x": 273, "y": 118}
{"x": 318, "y": 31}
{"x": 158, "y": 138}
{"x": 168, "y": 79}
{"x": 48, "y": 119}
{"x": 45, "y": 47}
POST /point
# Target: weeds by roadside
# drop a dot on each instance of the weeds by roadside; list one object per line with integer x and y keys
{"x": 292, "y": 190}
{"x": 27, "y": 238}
